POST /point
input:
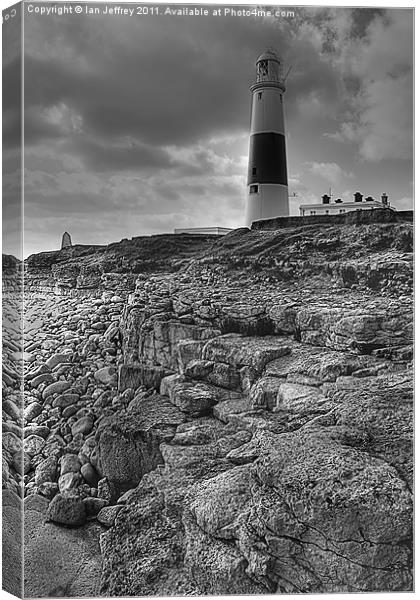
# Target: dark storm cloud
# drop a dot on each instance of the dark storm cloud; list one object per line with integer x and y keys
{"x": 87, "y": 204}
{"x": 176, "y": 87}
{"x": 363, "y": 18}
{"x": 12, "y": 98}
{"x": 102, "y": 156}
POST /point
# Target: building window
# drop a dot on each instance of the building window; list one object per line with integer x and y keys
{"x": 253, "y": 189}
{"x": 313, "y": 212}
{"x": 327, "y": 212}
{"x": 254, "y": 171}
{"x": 259, "y": 95}
{"x": 341, "y": 210}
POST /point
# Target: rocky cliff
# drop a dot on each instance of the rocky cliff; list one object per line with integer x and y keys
{"x": 218, "y": 415}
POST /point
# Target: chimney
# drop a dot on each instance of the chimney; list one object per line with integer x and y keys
{"x": 370, "y": 199}
{"x": 338, "y": 201}
{"x": 326, "y": 199}
{"x": 384, "y": 199}
{"x": 358, "y": 197}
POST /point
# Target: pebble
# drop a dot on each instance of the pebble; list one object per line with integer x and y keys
{"x": 65, "y": 400}
{"x": 22, "y": 356}
{"x": 33, "y": 444}
{"x": 7, "y": 379}
{"x": 68, "y": 481}
{"x": 89, "y": 474}
{"x": 67, "y": 510}
{"x": 48, "y": 489}
{"x": 43, "y": 378}
{"x": 46, "y": 470}
{"x": 69, "y": 411}
{"x": 69, "y": 463}
{"x": 108, "y": 514}
{"x": 93, "y": 505}
{"x": 37, "y": 430}
{"x": 106, "y": 490}
{"x": 55, "y": 388}
{"x": 57, "y": 359}
{"x": 32, "y": 411}
{"x": 83, "y": 425}
{"x": 12, "y": 410}
{"x": 106, "y": 375}
{"x": 22, "y": 462}
{"x": 11, "y": 427}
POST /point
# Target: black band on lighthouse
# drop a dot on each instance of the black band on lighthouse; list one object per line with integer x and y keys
{"x": 267, "y": 158}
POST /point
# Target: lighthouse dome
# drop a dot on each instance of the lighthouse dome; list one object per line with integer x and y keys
{"x": 269, "y": 55}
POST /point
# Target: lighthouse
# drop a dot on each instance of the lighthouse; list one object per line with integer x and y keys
{"x": 267, "y": 191}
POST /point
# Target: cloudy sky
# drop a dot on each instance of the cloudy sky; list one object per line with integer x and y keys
{"x": 137, "y": 125}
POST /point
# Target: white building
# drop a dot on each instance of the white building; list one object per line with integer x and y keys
{"x": 204, "y": 230}
{"x": 336, "y": 207}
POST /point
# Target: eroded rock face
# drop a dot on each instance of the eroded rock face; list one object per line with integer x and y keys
{"x": 304, "y": 484}
{"x": 128, "y": 444}
{"x": 241, "y": 424}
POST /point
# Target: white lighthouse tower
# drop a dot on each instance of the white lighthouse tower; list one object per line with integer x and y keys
{"x": 268, "y": 194}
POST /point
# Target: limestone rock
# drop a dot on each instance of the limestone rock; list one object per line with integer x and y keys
{"x": 108, "y": 514}
{"x": 32, "y": 411}
{"x": 106, "y": 375}
{"x": 67, "y": 510}
{"x": 128, "y": 444}
{"x": 89, "y": 474}
{"x": 83, "y": 426}
{"x": 46, "y": 470}
{"x": 55, "y": 388}
{"x": 57, "y": 359}
{"x": 65, "y": 400}
{"x": 69, "y": 463}
{"x": 33, "y": 445}
{"x": 68, "y": 482}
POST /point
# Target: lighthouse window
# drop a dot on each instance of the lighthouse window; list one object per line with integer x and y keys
{"x": 262, "y": 68}
{"x": 259, "y": 95}
{"x": 253, "y": 189}
{"x": 254, "y": 171}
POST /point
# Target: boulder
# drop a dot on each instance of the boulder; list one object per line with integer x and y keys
{"x": 69, "y": 463}
{"x": 46, "y": 470}
{"x": 240, "y": 351}
{"x": 68, "y": 482}
{"x": 83, "y": 426}
{"x": 106, "y": 375}
{"x": 128, "y": 444}
{"x": 67, "y": 509}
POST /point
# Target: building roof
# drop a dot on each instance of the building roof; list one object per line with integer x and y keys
{"x": 373, "y": 204}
